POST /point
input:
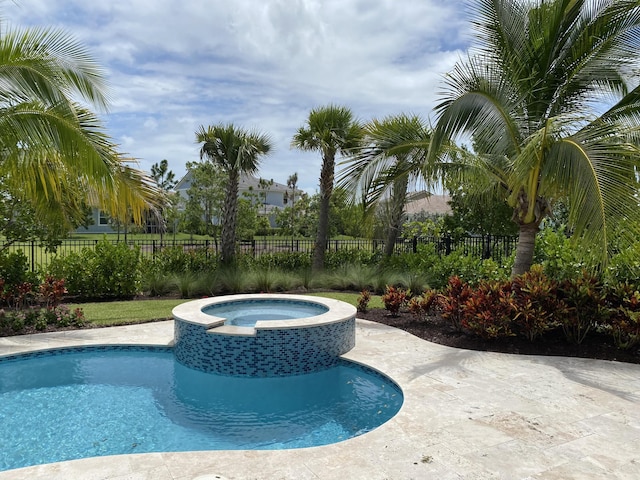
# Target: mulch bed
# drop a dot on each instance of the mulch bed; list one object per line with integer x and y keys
{"x": 436, "y": 329}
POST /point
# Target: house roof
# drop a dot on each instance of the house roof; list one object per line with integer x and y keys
{"x": 246, "y": 182}
{"x": 423, "y": 202}
{"x": 249, "y": 181}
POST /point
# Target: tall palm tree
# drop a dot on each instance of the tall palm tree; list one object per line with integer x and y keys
{"x": 292, "y": 184}
{"x": 551, "y": 104}
{"x": 236, "y": 151}
{"x": 330, "y": 130}
{"x": 50, "y": 144}
{"x": 393, "y": 151}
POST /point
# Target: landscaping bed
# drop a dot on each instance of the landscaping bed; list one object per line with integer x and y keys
{"x": 436, "y": 329}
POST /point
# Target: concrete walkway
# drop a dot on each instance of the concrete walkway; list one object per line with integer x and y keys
{"x": 466, "y": 415}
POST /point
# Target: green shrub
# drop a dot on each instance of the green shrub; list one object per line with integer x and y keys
{"x": 422, "y": 261}
{"x": 337, "y": 259}
{"x": 174, "y": 260}
{"x": 470, "y": 269}
{"x": 286, "y": 261}
{"x": 105, "y": 271}
{"x": 116, "y": 271}
{"x": 625, "y": 266}
{"x": 15, "y": 269}
{"x": 18, "y": 285}
{"x": 75, "y": 268}
{"x": 558, "y": 255}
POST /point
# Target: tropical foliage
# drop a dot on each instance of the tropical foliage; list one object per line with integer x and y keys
{"x": 549, "y": 96}
{"x": 235, "y": 151}
{"x": 330, "y": 130}
{"x": 391, "y": 154}
{"x": 205, "y": 198}
{"x": 55, "y": 153}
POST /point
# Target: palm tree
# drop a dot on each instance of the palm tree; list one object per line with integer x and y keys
{"x": 236, "y": 151}
{"x": 50, "y": 144}
{"x": 551, "y": 104}
{"x": 329, "y": 130}
{"x": 393, "y": 151}
{"x": 292, "y": 184}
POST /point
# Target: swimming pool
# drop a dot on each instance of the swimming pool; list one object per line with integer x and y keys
{"x": 92, "y": 401}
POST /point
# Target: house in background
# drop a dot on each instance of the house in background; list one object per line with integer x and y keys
{"x": 101, "y": 223}
{"x": 422, "y": 205}
{"x": 275, "y": 196}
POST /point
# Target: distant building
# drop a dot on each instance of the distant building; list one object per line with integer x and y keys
{"x": 423, "y": 204}
{"x": 272, "y": 198}
{"x": 101, "y": 223}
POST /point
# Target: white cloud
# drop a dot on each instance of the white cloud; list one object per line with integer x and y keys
{"x": 174, "y": 66}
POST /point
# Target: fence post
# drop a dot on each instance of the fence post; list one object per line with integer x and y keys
{"x": 486, "y": 247}
{"x": 447, "y": 245}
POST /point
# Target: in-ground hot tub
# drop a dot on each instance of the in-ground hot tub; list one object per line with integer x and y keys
{"x": 263, "y": 335}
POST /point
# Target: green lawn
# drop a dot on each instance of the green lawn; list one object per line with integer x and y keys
{"x": 140, "y": 311}
{"x": 135, "y": 311}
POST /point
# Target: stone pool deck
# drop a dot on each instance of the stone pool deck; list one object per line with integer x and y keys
{"x": 466, "y": 415}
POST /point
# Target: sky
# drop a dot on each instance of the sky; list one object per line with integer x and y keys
{"x": 263, "y": 65}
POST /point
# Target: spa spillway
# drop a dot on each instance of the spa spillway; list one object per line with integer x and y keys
{"x": 263, "y": 335}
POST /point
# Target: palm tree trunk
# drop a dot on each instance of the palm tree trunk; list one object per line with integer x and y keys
{"x": 326, "y": 189}
{"x": 229, "y": 219}
{"x": 524, "y": 251}
{"x": 398, "y": 199}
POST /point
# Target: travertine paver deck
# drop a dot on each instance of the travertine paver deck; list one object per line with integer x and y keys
{"x": 467, "y": 415}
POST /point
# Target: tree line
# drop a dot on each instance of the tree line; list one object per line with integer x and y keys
{"x": 541, "y": 116}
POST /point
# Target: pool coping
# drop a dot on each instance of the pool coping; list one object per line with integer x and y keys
{"x": 466, "y": 414}
{"x": 192, "y": 312}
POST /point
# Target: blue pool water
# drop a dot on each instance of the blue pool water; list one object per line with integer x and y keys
{"x": 245, "y": 313}
{"x": 77, "y": 403}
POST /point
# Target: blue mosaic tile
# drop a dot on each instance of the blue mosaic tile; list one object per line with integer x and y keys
{"x": 88, "y": 348}
{"x": 290, "y": 351}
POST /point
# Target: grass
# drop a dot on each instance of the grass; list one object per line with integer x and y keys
{"x": 352, "y": 298}
{"x": 119, "y": 313}
{"x": 105, "y": 314}
{"x": 147, "y": 237}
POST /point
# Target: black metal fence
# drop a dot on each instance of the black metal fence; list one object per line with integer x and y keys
{"x": 488, "y": 246}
